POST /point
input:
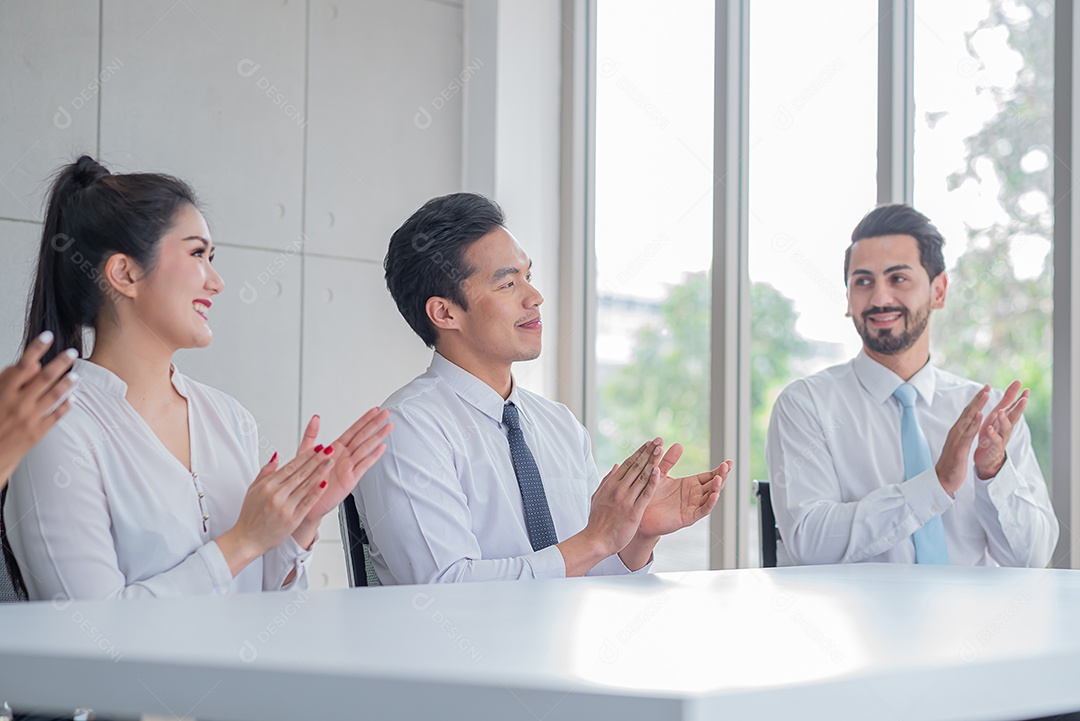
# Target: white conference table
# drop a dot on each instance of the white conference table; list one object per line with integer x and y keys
{"x": 840, "y": 642}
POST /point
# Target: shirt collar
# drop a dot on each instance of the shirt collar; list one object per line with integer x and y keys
{"x": 881, "y": 382}
{"x": 472, "y": 390}
{"x": 104, "y": 379}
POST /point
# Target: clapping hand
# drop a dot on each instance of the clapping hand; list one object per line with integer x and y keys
{"x": 292, "y": 498}
{"x": 355, "y": 451}
{"x": 997, "y": 429}
{"x": 681, "y": 502}
{"x": 30, "y": 398}
{"x": 952, "y": 465}
{"x": 623, "y": 496}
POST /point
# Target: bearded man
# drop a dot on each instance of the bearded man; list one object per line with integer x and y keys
{"x": 887, "y": 458}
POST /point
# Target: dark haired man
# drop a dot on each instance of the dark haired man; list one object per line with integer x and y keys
{"x": 887, "y": 458}
{"x": 481, "y": 479}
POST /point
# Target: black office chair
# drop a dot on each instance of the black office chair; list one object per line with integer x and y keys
{"x": 8, "y": 591}
{"x": 770, "y": 533}
{"x": 8, "y": 594}
{"x": 354, "y": 538}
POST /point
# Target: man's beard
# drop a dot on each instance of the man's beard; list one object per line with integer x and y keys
{"x": 886, "y": 342}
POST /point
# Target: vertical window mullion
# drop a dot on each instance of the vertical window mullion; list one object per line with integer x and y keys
{"x": 896, "y": 101}
{"x": 1065, "y": 485}
{"x": 729, "y": 398}
{"x": 577, "y": 272}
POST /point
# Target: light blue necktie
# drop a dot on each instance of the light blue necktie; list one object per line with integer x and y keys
{"x": 929, "y": 540}
{"x": 537, "y": 514}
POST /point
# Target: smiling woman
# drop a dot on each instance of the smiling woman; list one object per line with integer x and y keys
{"x": 150, "y": 485}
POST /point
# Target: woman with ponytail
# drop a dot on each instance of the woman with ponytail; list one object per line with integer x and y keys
{"x": 150, "y": 485}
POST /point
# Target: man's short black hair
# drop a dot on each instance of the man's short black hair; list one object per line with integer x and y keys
{"x": 901, "y": 219}
{"x": 426, "y": 257}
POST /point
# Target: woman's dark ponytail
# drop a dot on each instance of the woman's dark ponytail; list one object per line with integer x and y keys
{"x": 90, "y": 215}
{"x": 49, "y": 310}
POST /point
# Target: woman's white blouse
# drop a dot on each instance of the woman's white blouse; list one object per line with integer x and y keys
{"x": 101, "y": 509}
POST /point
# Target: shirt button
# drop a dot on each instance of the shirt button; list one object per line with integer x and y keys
{"x": 206, "y": 517}
{"x": 201, "y": 494}
{"x": 194, "y": 474}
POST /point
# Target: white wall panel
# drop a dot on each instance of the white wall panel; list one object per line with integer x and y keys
{"x": 49, "y": 80}
{"x": 228, "y": 95}
{"x": 255, "y": 355}
{"x": 20, "y": 242}
{"x": 213, "y": 92}
{"x": 385, "y": 101}
{"x": 357, "y": 351}
{"x": 357, "y": 348}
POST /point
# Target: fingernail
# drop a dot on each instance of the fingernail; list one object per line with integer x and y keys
{"x": 273, "y": 457}
{"x": 71, "y": 353}
{"x": 46, "y": 337}
{"x": 318, "y": 448}
{"x": 329, "y": 450}
{"x": 322, "y": 485}
{"x": 315, "y": 416}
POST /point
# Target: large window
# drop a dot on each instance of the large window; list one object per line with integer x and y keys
{"x": 972, "y": 144}
{"x": 654, "y": 185}
{"x": 984, "y": 93}
{"x": 813, "y": 134}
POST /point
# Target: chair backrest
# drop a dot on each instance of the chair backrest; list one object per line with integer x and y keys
{"x": 770, "y": 534}
{"x": 7, "y": 588}
{"x": 8, "y": 592}
{"x": 355, "y": 540}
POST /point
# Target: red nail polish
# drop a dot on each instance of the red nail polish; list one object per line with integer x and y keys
{"x": 318, "y": 448}
{"x": 273, "y": 457}
{"x": 329, "y": 450}
{"x": 322, "y": 485}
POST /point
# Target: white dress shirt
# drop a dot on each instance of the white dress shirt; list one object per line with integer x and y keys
{"x": 836, "y": 471}
{"x": 101, "y": 509}
{"x": 443, "y": 503}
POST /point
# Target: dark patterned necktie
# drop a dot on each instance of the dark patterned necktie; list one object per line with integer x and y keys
{"x": 537, "y": 514}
